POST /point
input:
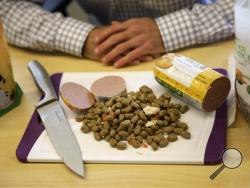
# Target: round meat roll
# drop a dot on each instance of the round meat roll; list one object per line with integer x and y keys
{"x": 76, "y": 97}
{"x": 107, "y": 87}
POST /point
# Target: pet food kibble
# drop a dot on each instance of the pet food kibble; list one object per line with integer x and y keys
{"x": 115, "y": 122}
{"x": 149, "y": 140}
{"x": 110, "y": 118}
{"x": 162, "y": 113}
{"x": 173, "y": 117}
{"x": 137, "y": 118}
{"x": 125, "y": 122}
{"x": 107, "y": 138}
{"x": 142, "y": 116}
{"x": 183, "y": 125}
{"x": 174, "y": 125}
{"x": 139, "y": 138}
{"x": 109, "y": 103}
{"x": 134, "y": 119}
{"x": 90, "y": 116}
{"x": 117, "y": 112}
{"x": 113, "y": 142}
{"x": 121, "y": 118}
{"x": 154, "y": 146}
{"x": 112, "y": 108}
{"x": 140, "y": 122}
{"x": 95, "y": 128}
{"x": 137, "y": 130}
{"x": 155, "y": 128}
{"x": 156, "y": 139}
{"x": 97, "y": 136}
{"x": 177, "y": 131}
{"x": 128, "y": 116}
{"x": 104, "y": 132}
{"x": 163, "y": 143}
{"x": 128, "y": 109}
{"x": 121, "y": 145}
{"x": 118, "y": 105}
{"x": 184, "y": 109}
{"x": 144, "y": 134}
{"x": 172, "y": 137}
{"x": 112, "y": 133}
{"x": 122, "y": 127}
{"x": 186, "y": 134}
{"x": 169, "y": 129}
{"x": 135, "y": 105}
{"x": 105, "y": 110}
{"x": 117, "y": 138}
{"x": 145, "y": 89}
{"x": 106, "y": 125}
{"x": 149, "y": 131}
{"x": 125, "y": 102}
{"x": 130, "y": 128}
{"x": 98, "y": 111}
{"x": 131, "y": 137}
{"x": 151, "y": 97}
{"x": 177, "y": 106}
{"x": 85, "y": 129}
{"x": 135, "y": 143}
{"x": 159, "y": 131}
{"x": 123, "y": 134}
{"x": 160, "y": 123}
{"x": 79, "y": 118}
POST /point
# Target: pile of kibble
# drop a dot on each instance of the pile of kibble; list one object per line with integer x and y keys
{"x": 127, "y": 119}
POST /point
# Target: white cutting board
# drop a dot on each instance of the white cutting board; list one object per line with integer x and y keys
{"x": 180, "y": 152}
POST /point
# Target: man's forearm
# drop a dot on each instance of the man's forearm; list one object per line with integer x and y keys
{"x": 28, "y": 25}
{"x": 201, "y": 24}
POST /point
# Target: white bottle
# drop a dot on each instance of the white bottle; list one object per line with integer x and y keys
{"x": 242, "y": 55}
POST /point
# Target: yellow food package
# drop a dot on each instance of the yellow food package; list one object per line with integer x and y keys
{"x": 10, "y": 93}
{"x": 191, "y": 81}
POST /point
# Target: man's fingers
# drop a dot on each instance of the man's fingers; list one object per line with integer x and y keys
{"x": 135, "y": 62}
{"x": 116, "y": 51}
{"x": 121, "y": 49}
{"x": 130, "y": 57}
{"x": 146, "y": 58}
{"x": 111, "y": 42}
{"x": 109, "y": 31}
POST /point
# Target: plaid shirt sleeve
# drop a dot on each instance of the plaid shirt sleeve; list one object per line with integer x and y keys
{"x": 28, "y": 25}
{"x": 198, "y": 25}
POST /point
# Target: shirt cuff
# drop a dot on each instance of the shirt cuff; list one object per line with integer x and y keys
{"x": 177, "y": 30}
{"x": 71, "y": 36}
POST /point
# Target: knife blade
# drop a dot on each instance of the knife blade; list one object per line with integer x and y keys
{"x": 55, "y": 121}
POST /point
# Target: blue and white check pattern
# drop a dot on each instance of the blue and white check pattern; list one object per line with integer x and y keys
{"x": 199, "y": 25}
{"x": 182, "y": 23}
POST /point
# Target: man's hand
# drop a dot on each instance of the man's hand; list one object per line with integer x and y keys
{"x": 126, "y": 42}
{"x": 90, "y": 44}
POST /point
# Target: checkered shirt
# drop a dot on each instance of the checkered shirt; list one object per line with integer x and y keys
{"x": 182, "y": 23}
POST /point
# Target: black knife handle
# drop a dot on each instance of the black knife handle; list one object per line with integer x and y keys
{"x": 43, "y": 82}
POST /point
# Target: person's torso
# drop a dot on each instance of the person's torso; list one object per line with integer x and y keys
{"x": 108, "y": 10}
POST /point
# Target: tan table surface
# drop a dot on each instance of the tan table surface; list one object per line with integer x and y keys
{"x": 12, "y": 125}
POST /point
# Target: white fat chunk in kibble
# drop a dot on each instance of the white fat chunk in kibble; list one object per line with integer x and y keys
{"x": 150, "y": 110}
{"x": 151, "y": 123}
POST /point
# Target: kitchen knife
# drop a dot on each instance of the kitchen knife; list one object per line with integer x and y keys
{"x": 55, "y": 122}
